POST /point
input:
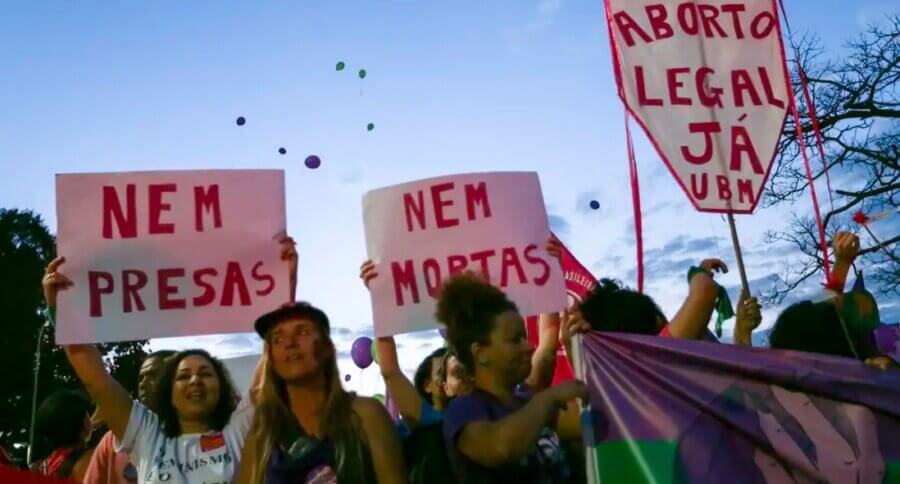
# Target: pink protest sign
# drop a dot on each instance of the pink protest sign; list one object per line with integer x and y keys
{"x": 422, "y": 232}
{"x": 170, "y": 253}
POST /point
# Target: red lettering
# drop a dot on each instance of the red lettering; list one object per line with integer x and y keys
{"x": 130, "y": 290}
{"x": 166, "y": 290}
{"x": 262, "y": 277}
{"x": 767, "y": 88}
{"x": 675, "y": 84}
{"x": 740, "y": 82}
{"x": 404, "y": 276}
{"x": 657, "y": 14}
{"x": 476, "y": 196}
{"x": 412, "y": 208}
{"x": 690, "y": 25}
{"x": 627, "y": 24}
{"x": 457, "y": 263}
{"x": 209, "y": 292}
{"x": 745, "y": 188}
{"x": 709, "y": 96}
{"x": 510, "y": 259}
{"x": 95, "y": 290}
{"x": 537, "y": 260}
{"x": 234, "y": 279}
{"x": 205, "y": 201}
{"x": 482, "y": 258}
{"x": 112, "y": 208}
{"x": 735, "y": 9}
{"x": 701, "y": 192}
{"x": 709, "y": 13}
{"x": 643, "y": 100}
{"x": 724, "y": 188}
{"x": 439, "y": 204}
{"x": 432, "y": 271}
{"x": 759, "y": 33}
{"x": 707, "y": 129}
{"x": 157, "y": 207}
{"x": 741, "y": 143}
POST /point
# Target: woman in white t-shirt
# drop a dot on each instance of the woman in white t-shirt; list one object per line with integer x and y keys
{"x": 198, "y": 434}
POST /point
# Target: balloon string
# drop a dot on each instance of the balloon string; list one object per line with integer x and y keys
{"x": 826, "y": 265}
{"x": 636, "y": 205}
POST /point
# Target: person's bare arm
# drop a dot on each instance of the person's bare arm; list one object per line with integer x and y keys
{"x": 693, "y": 317}
{"x": 384, "y": 444}
{"x": 543, "y": 361}
{"x": 111, "y": 398}
{"x": 846, "y": 249}
{"x": 402, "y": 391}
{"x": 496, "y": 443}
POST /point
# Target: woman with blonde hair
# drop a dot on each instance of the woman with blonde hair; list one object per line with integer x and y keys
{"x": 307, "y": 428}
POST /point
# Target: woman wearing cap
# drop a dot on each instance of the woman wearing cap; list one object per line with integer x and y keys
{"x": 307, "y": 428}
{"x": 197, "y": 431}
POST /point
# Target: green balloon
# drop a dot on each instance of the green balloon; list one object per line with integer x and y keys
{"x": 375, "y": 354}
{"x": 370, "y": 127}
{"x": 362, "y": 73}
{"x": 379, "y": 397}
{"x": 339, "y": 66}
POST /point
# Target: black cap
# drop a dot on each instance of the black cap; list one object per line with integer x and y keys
{"x": 293, "y": 310}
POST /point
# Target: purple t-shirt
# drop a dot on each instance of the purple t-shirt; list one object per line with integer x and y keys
{"x": 545, "y": 463}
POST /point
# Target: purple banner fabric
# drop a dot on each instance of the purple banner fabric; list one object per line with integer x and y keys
{"x": 673, "y": 411}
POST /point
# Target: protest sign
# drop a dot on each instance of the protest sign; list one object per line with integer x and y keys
{"x": 422, "y": 232}
{"x": 708, "y": 83}
{"x": 169, "y": 253}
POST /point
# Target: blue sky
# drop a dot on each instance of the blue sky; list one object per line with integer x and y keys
{"x": 451, "y": 87}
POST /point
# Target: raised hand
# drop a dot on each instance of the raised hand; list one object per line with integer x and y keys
{"x": 846, "y": 247}
{"x": 289, "y": 253}
{"x": 367, "y": 272}
{"x": 54, "y": 281}
{"x": 554, "y": 248}
{"x": 714, "y": 265}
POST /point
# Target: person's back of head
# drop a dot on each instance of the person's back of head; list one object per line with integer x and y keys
{"x": 63, "y": 419}
{"x": 815, "y": 328}
{"x": 612, "y": 307}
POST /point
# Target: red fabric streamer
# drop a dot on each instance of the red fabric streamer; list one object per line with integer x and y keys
{"x": 826, "y": 265}
{"x": 860, "y": 217}
{"x": 636, "y": 206}
{"x": 811, "y": 110}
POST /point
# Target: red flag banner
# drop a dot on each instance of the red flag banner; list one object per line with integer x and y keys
{"x": 579, "y": 282}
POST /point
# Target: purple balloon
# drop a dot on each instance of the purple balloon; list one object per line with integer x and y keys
{"x": 361, "y": 352}
{"x": 346, "y": 377}
{"x": 312, "y": 162}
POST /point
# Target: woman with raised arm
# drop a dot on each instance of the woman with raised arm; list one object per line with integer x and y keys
{"x": 197, "y": 431}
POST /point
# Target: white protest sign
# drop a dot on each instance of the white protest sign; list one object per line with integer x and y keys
{"x": 170, "y": 253}
{"x": 420, "y": 233}
{"x": 707, "y": 82}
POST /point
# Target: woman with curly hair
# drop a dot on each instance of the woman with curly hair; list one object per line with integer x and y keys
{"x": 498, "y": 433}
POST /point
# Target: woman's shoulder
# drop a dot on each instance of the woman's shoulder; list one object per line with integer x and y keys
{"x": 367, "y": 407}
